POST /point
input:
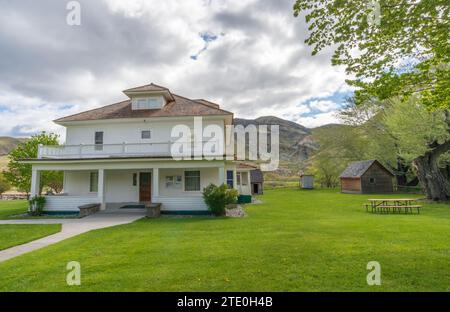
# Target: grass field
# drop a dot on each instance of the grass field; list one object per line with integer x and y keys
{"x": 12, "y": 235}
{"x": 9, "y": 208}
{"x": 295, "y": 241}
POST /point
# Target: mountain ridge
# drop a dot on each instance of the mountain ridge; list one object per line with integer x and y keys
{"x": 296, "y": 141}
{"x": 7, "y": 144}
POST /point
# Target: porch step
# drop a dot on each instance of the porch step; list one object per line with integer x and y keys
{"x": 119, "y": 210}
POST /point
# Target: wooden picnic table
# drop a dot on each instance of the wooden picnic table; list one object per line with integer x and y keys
{"x": 384, "y": 205}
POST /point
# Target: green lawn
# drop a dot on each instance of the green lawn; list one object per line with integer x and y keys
{"x": 9, "y": 208}
{"x": 296, "y": 241}
{"x": 12, "y": 235}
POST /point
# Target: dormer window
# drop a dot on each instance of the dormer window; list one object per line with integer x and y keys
{"x": 148, "y": 103}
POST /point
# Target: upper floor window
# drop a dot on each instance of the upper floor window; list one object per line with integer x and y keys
{"x": 148, "y": 103}
{"x": 146, "y": 134}
{"x": 98, "y": 140}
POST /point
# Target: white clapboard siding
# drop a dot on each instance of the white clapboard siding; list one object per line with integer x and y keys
{"x": 68, "y": 203}
{"x": 194, "y": 203}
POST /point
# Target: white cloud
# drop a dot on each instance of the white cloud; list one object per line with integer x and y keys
{"x": 318, "y": 120}
{"x": 323, "y": 105}
{"x": 259, "y": 66}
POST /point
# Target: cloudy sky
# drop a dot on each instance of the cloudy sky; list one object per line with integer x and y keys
{"x": 246, "y": 55}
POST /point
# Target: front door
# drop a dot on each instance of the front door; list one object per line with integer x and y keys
{"x": 145, "y": 187}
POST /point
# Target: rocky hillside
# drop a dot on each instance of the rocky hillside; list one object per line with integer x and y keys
{"x": 9, "y": 143}
{"x": 296, "y": 142}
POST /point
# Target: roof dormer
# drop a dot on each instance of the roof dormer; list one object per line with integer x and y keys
{"x": 149, "y": 97}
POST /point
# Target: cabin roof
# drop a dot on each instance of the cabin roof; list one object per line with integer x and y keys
{"x": 358, "y": 168}
{"x": 256, "y": 176}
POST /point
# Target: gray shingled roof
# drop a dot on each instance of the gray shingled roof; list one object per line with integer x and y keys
{"x": 357, "y": 169}
{"x": 256, "y": 176}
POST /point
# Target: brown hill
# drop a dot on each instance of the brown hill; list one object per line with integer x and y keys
{"x": 296, "y": 143}
{"x": 9, "y": 143}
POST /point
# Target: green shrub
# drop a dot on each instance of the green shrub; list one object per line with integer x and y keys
{"x": 4, "y": 185}
{"x": 37, "y": 204}
{"x": 218, "y": 197}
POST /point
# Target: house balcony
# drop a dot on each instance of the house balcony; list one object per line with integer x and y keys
{"x": 87, "y": 151}
{"x": 104, "y": 150}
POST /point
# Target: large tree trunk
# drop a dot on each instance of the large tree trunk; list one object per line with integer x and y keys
{"x": 430, "y": 175}
{"x": 401, "y": 171}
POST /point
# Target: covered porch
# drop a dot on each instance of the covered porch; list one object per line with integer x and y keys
{"x": 177, "y": 185}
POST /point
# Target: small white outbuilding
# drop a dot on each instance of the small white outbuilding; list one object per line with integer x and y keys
{"x": 307, "y": 181}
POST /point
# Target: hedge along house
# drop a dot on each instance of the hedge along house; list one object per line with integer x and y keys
{"x": 368, "y": 176}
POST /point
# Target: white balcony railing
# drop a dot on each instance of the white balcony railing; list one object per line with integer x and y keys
{"x": 104, "y": 150}
{"x": 107, "y": 150}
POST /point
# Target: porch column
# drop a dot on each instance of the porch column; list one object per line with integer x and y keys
{"x": 222, "y": 175}
{"x": 155, "y": 182}
{"x": 35, "y": 182}
{"x": 101, "y": 188}
{"x": 235, "y": 179}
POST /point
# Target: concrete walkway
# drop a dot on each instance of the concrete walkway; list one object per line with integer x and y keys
{"x": 70, "y": 228}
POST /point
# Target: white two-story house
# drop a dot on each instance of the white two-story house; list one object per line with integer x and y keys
{"x": 120, "y": 155}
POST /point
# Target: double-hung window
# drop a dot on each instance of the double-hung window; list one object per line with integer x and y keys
{"x": 93, "y": 182}
{"x": 230, "y": 178}
{"x": 98, "y": 140}
{"x": 192, "y": 180}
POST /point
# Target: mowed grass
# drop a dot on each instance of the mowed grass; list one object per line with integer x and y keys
{"x": 17, "y": 234}
{"x": 12, "y": 235}
{"x": 10, "y": 208}
{"x": 295, "y": 241}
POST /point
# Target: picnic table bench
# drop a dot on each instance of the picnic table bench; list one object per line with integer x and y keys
{"x": 397, "y": 205}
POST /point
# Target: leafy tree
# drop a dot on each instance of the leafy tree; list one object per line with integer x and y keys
{"x": 19, "y": 174}
{"x": 391, "y": 47}
{"x": 378, "y": 142}
{"x": 4, "y": 185}
{"x": 423, "y": 138}
{"x": 326, "y": 169}
{"x": 361, "y": 137}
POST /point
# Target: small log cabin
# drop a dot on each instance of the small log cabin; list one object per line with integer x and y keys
{"x": 368, "y": 176}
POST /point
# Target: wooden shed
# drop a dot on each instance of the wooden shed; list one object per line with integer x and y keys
{"x": 257, "y": 181}
{"x": 368, "y": 176}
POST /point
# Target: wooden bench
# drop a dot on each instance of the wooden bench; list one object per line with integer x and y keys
{"x": 397, "y": 205}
